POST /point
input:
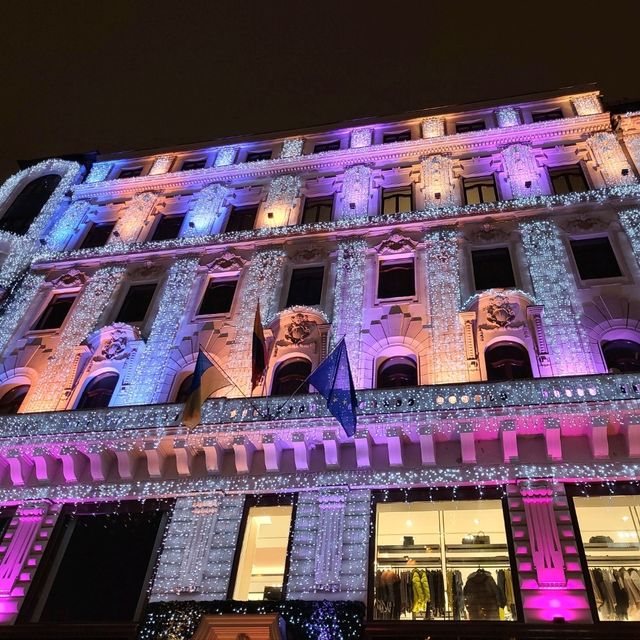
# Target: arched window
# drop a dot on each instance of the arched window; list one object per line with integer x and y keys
{"x": 98, "y": 392}
{"x": 12, "y": 400}
{"x": 396, "y": 372}
{"x": 621, "y": 356}
{"x": 289, "y": 376}
{"x": 184, "y": 389}
{"x": 507, "y": 361}
{"x": 23, "y": 210}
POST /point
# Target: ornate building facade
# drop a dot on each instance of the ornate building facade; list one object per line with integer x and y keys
{"x": 483, "y": 265}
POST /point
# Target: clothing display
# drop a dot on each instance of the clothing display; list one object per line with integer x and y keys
{"x": 617, "y": 593}
{"x": 481, "y": 596}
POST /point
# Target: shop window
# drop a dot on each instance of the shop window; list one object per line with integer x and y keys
{"x": 568, "y": 179}
{"x": 396, "y": 280}
{"x": 254, "y": 156}
{"x": 242, "y": 219}
{"x": 261, "y": 567}
{"x": 442, "y": 561}
{"x": 184, "y": 390}
{"x": 136, "y": 303}
{"x": 306, "y": 286}
{"x": 507, "y": 361}
{"x": 217, "y": 298}
{"x": 134, "y": 172}
{"x": 621, "y": 356}
{"x": 27, "y": 205}
{"x": 609, "y": 528}
{"x": 544, "y": 116}
{"x": 12, "y": 400}
{"x": 467, "y": 127}
{"x": 492, "y": 269}
{"x": 479, "y": 190}
{"x": 55, "y": 313}
{"x": 317, "y": 209}
{"x": 396, "y": 372}
{"x": 321, "y": 147}
{"x": 192, "y": 165}
{"x": 397, "y": 200}
{"x": 401, "y": 136}
{"x": 98, "y": 235}
{"x": 101, "y": 565}
{"x": 595, "y": 258}
{"x": 98, "y": 392}
{"x": 290, "y": 377}
{"x": 168, "y": 227}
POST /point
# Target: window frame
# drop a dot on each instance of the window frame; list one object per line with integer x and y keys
{"x": 123, "y": 296}
{"x": 394, "y": 192}
{"x": 187, "y": 161}
{"x": 254, "y": 156}
{"x": 590, "y": 282}
{"x": 337, "y": 141}
{"x": 137, "y": 170}
{"x": 308, "y": 198}
{"x": 242, "y": 207}
{"x": 470, "y": 123}
{"x": 487, "y": 248}
{"x": 400, "y": 259}
{"x": 89, "y": 226}
{"x": 480, "y": 177}
{"x": 307, "y": 267}
{"x": 393, "y": 137}
{"x": 542, "y": 115}
{"x": 218, "y": 281}
{"x": 75, "y": 293}
{"x": 158, "y": 221}
{"x": 558, "y": 168}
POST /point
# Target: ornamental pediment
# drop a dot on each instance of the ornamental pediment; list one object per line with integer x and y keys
{"x": 396, "y": 243}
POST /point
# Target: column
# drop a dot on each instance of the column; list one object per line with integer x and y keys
{"x": 93, "y": 300}
{"x": 356, "y": 192}
{"x": 522, "y": 171}
{"x": 438, "y": 182}
{"x": 554, "y": 288}
{"x": 279, "y": 207}
{"x": 442, "y": 268}
{"x": 610, "y": 159}
{"x": 60, "y": 234}
{"x": 131, "y": 220}
{"x": 146, "y": 381}
{"x": 205, "y": 215}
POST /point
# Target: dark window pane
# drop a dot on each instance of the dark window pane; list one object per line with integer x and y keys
{"x": 306, "y": 286}
{"x": 27, "y": 205}
{"x": 184, "y": 390}
{"x": 492, "y": 269}
{"x": 242, "y": 219}
{"x": 55, "y": 313}
{"x": 334, "y": 145}
{"x": 217, "y": 298}
{"x": 478, "y": 190}
{"x": 621, "y": 356}
{"x": 396, "y": 280}
{"x": 403, "y": 136}
{"x": 191, "y": 165}
{"x": 12, "y": 400}
{"x": 595, "y": 258}
{"x": 317, "y": 210}
{"x": 97, "y": 394}
{"x": 254, "y": 156}
{"x": 397, "y": 200}
{"x": 397, "y": 372}
{"x": 568, "y": 179}
{"x": 168, "y": 227}
{"x": 136, "y": 303}
{"x": 465, "y": 127}
{"x": 289, "y": 377}
{"x": 130, "y": 173}
{"x": 507, "y": 361}
{"x": 102, "y": 572}
{"x": 543, "y": 116}
{"x": 97, "y": 235}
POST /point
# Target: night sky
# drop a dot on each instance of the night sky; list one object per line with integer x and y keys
{"x": 110, "y": 76}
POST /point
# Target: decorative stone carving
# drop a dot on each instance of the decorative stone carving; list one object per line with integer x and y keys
{"x": 281, "y": 199}
{"x": 309, "y": 254}
{"x": 292, "y": 148}
{"x": 356, "y": 190}
{"x": 438, "y": 182}
{"x": 500, "y": 312}
{"x": 522, "y": 170}
{"x": 228, "y": 261}
{"x": 396, "y": 243}
{"x": 207, "y": 207}
{"x": 299, "y": 328}
{"x": 133, "y": 216}
{"x": 161, "y": 164}
{"x": 225, "y": 157}
{"x": 610, "y": 159}
{"x": 489, "y": 231}
{"x": 507, "y": 117}
{"x": 584, "y": 224}
{"x": 111, "y": 342}
{"x": 72, "y": 278}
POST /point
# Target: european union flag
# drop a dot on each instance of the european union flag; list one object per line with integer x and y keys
{"x": 333, "y": 380}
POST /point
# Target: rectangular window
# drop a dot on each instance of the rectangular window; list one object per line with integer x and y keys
{"x": 543, "y": 116}
{"x": 98, "y": 235}
{"x": 466, "y": 127}
{"x": 130, "y": 173}
{"x": 396, "y": 280}
{"x": 306, "y": 286}
{"x": 397, "y": 200}
{"x": 568, "y": 179}
{"x": 55, "y": 313}
{"x": 217, "y": 298}
{"x": 321, "y": 147}
{"x": 317, "y": 209}
{"x": 168, "y": 228}
{"x": 479, "y": 190}
{"x": 191, "y": 165}
{"x": 402, "y": 136}
{"x": 136, "y": 303}
{"x": 595, "y": 258}
{"x": 492, "y": 269}
{"x": 241, "y": 219}
{"x": 261, "y": 567}
{"x": 254, "y": 156}
{"x": 442, "y": 561}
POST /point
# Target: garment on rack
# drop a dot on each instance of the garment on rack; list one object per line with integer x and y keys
{"x": 481, "y": 596}
{"x": 421, "y": 590}
{"x": 616, "y": 592}
{"x": 510, "y": 593}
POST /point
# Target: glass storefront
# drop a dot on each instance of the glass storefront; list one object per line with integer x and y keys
{"x": 442, "y": 561}
{"x": 609, "y": 528}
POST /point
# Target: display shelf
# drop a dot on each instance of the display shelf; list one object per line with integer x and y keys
{"x": 465, "y": 548}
